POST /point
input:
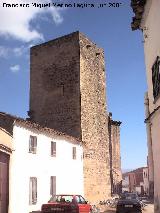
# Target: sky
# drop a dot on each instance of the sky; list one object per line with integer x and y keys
{"x": 109, "y": 27}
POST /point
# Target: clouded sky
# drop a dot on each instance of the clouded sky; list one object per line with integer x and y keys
{"x": 109, "y": 27}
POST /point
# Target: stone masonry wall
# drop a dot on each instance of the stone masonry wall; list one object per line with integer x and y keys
{"x": 54, "y": 85}
{"x": 94, "y": 121}
{"x": 115, "y": 155}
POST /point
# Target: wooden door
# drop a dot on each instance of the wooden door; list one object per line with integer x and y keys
{"x": 4, "y": 184}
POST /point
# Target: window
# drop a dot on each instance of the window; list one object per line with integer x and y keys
{"x": 53, "y": 149}
{"x": 156, "y": 77}
{"x": 80, "y": 199}
{"x": 33, "y": 191}
{"x": 62, "y": 198}
{"x": 53, "y": 185}
{"x": 32, "y": 144}
{"x": 74, "y": 153}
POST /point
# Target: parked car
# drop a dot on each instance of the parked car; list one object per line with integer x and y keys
{"x": 129, "y": 202}
{"x": 67, "y": 204}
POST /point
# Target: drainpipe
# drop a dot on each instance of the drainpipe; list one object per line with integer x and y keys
{"x": 150, "y": 148}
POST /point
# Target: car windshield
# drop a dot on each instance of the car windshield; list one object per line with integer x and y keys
{"x": 129, "y": 196}
{"x": 61, "y": 198}
{"x": 68, "y": 199}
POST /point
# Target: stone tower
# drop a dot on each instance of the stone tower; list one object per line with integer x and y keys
{"x": 68, "y": 93}
{"x": 115, "y": 159}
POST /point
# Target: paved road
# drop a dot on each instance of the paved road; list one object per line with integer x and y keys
{"x": 148, "y": 209}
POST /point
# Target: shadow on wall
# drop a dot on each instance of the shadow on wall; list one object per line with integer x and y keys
{"x": 156, "y": 204}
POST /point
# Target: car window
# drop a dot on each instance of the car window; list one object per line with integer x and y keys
{"x": 129, "y": 196}
{"x": 53, "y": 199}
{"x": 67, "y": 198}
{"x": 61, "y": 198}
{"x": 77, "y": 199}
{"x": 80, "y": 200}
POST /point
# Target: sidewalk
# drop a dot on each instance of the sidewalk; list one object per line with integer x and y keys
{"x": 107, "y": 209}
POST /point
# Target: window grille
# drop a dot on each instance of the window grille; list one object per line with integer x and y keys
{"x": 33, "y": 191}
{"x": 53, "y": 149}
{"x": 74, "y": 153}
{"x": 156, "y": 77}
{"x": 33, "y": 144}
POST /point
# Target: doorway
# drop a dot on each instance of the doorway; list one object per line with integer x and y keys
{"x": 4, "y": 182}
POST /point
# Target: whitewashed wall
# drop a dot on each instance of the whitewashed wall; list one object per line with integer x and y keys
{"x": 23, "y": 165}
{"x": 125, "y": 184}
{"x": 151, "y": 31}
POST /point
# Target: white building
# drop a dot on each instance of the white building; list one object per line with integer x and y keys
{"x": 42, "y": 162}
{"x": 125, "y": 183}
{"x": 147, "y": 18}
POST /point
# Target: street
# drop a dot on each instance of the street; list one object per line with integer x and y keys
{"x": 148, "y": 209}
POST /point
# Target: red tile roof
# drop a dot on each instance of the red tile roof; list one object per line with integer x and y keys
{"x": 12, "y": 119}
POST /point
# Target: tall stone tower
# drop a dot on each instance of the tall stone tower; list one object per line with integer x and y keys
{"x": 68, "y": 93}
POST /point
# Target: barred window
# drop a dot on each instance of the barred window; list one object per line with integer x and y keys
{"x": 33, "y": 191}
{"x": 53, "y": 149}
{"x": 156, "y": 77}
{"x": 33, "y": 144}
{"x": 74, "y": 153}
{"x": 53, "y": 185}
